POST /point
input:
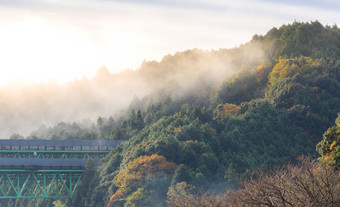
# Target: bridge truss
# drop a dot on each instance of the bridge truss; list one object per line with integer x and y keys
{"x": 38, "y": 183}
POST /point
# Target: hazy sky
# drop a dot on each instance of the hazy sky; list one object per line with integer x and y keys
{"x": 63, "y": 40}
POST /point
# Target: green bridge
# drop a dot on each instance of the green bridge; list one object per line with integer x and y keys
{"x": 46, "y": 168}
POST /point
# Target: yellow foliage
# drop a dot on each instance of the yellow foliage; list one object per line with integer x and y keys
{"x": 285, "y": 67}
{"x": 176, "y": 129}
{"x": 259, "y": 68}
{"x": 326, "y": 156}
{"x": 280, "y": 70}
{"x": 261, "y": 71}
{"x": 332, "y": 145}
{"x": 331, "y": 148}
{"x": 227, "y": 110}
{"x": 114, "y": 196}
{"x": 138, "y": 170}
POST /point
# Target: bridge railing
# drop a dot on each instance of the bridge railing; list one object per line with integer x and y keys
{"x": 67, "y": 145}
{"x": 47, "y": 149}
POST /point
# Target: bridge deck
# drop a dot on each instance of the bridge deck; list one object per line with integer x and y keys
{"x": 79, "y": 145}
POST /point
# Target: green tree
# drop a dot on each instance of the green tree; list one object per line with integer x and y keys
{"x": 83, "y": 193}
{"x": 182, "y": 173}
{"x": 329, "y": 147}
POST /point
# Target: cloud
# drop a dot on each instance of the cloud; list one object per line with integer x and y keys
{"x": 332, "y": 5}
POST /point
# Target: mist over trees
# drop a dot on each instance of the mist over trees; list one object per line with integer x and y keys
{"x": 201, "y": 121}
{"x": 24, "y": 108}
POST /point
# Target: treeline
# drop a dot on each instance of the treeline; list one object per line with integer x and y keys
{"x": 208, "y": 134}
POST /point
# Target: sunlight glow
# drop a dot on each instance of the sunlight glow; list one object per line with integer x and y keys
{"x": 35, "y": 50}
{"x": 49, "y": 40}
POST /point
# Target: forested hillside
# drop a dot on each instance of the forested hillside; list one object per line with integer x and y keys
{"x": 209, "y": 117}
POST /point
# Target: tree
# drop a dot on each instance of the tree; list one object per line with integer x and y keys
{"x": 82, "y": 195}
{"x": 182, "y": 173}
{"x": 58, "y": 203}
{"x": 16, "y": 136}
{"x": 306, "y": 184}
{"x": 139, "y": 120}
{"x": 226, "y": 110}
{"x": 144, "y": 177}
{"x": 329, "y": 147}
{"x": 100, "y": 122}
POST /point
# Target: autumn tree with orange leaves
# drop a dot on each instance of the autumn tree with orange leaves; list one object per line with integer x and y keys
{"x": 143, "y": 182}
{"x": 226, "y": 110}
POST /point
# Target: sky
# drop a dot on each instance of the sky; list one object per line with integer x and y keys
{"x": 55, "y": 40}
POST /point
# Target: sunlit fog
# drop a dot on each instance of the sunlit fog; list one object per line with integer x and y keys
{"x": 50, "y": 40}
{"x": 78, "y": 60}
